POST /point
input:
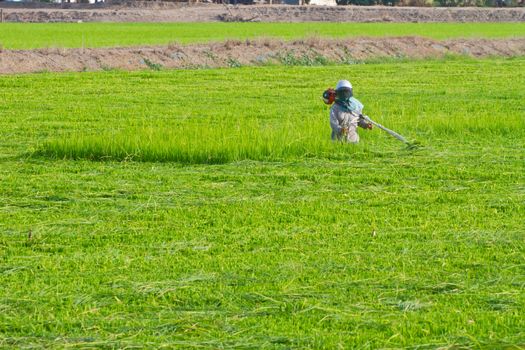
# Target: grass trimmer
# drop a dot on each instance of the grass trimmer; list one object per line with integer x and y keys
{"x": 329, "y": 98}
{"x": 410, "y": 145}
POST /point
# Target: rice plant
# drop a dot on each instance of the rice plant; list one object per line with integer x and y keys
{"x": 117, "y": 232}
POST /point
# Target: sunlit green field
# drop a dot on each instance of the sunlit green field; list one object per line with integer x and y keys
{"x": 42, "y": 35}
{"x": 218, "y": 214}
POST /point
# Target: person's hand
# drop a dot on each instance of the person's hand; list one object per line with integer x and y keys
{"x": 364, "y": 124}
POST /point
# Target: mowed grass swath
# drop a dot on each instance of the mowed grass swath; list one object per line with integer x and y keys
{"x": 71, "y": 35}
{"x": 376, "y": 247}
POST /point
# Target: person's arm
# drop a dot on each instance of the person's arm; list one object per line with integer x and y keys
{"x": 334, "y": 121}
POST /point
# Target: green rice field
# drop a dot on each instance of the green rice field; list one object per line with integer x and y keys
{"x": 209, "y": 208}
{"x": 44, "y": 35}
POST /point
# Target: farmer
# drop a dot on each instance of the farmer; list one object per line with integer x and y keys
{"x": 345, "y": 114}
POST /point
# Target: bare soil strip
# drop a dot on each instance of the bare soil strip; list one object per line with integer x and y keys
{"x": 314, "y": 51}
{"x": 140, "y": 12}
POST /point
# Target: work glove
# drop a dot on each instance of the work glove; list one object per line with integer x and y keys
{"x": 363, "y": 123}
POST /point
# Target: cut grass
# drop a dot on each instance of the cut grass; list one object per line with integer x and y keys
{"x": 77, "y": 35}
{"x": 381, "y": 248}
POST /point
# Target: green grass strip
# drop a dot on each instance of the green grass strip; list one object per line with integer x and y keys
{"x": 71, "y": 35}
{"x": 382, "y": 249}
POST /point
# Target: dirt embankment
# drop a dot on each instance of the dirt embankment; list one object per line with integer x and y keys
{"x": 314, "y": 51}
{"x": 173, "y": 12}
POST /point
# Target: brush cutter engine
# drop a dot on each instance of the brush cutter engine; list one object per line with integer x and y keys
{"x": 329, "y": 96}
